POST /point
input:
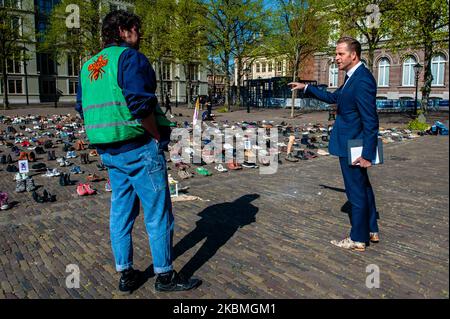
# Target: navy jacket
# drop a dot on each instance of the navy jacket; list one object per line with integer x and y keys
{"x": 137, "y": 79}
{"x": 357, "y": 116}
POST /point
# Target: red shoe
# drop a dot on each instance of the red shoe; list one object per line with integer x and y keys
{"x": 25, "y": 144}
{"x": 88, "y": 189}
{"x": 81, "y": 190}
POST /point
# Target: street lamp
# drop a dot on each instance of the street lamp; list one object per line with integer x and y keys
{"x": 177, "y": 78}
{"x": 247, "y": 73}
{"x": 25, "y": 50}
{"x": 417, "y": 68}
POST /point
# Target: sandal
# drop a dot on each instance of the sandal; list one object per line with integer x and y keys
{"x": 184, "y": 174}
{"x": 94, "y": 178}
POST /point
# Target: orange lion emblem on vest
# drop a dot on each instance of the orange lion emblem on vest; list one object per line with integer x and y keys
{"x": 96, "y": 68}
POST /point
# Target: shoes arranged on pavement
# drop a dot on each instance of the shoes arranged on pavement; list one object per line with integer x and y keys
{"x": 85, "y": 189}
{"x": 4, "y": 205}
{"x": 94, "y": 178}
{"x": 76, "y": 170}
{"x": 44, "y": 198}
{"x": 64, "y": 179}
{"x": 291, "y": 158}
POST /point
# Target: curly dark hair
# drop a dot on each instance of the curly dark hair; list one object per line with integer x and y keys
{"x": 116, "y": 19}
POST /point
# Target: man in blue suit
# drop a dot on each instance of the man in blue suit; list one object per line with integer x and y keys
{"x": 356, "y": 119}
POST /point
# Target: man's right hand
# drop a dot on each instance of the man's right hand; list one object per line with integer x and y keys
{"x": 296, "y": 86}
{"x": 149, "y": 123}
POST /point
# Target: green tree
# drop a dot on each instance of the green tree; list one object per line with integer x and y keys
{"x": 370, "y": 20}
{"x": 248, "y": 34}
{"x": 15, "y": 35}
{"x": 157, "y": 26}
{"x": 424, "y": 25}
{"x": 83, "y": 41}
{"x": 300, "y": 28}
{"x": 188, "y": 39}
{"x": 222, "y": 21}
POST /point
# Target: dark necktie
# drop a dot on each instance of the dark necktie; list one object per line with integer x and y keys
{"x": 346, "y": 78}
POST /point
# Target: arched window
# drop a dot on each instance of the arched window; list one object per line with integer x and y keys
{"x": 408, "y": 71}
{"x": 437, "y": 69}
{"x": 333, "y": 75}
{"x": 383, "y": 72}
{"x": 258, "y": 69}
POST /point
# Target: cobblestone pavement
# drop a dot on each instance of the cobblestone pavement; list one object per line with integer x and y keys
{"x": 252, "y": 236}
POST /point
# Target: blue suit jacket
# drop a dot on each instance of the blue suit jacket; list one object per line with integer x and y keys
{"x": 357, "y": 116}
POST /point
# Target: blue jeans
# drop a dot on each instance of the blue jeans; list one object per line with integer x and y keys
{"x": 140, "y": 176}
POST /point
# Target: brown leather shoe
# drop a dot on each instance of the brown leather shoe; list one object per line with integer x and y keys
{"x": 374, "y": 237}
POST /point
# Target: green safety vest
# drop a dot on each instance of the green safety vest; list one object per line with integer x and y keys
{"x": 107, "y": 118}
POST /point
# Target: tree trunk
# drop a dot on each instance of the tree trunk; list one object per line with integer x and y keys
{"x": 227, "y": 81}
{"x": 161, "y": 83}
{"x": 428, "y": 77}
{"x": 187, "y": 72}
{"x": 238, "y": 83}
{"x": 5, "y": 87}
{"x": 371, "y": 56}
{"x": 294, "y": 79}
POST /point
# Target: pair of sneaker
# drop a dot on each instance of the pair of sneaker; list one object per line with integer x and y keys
{"x": 85, "y": 189}
{"x": 52, "y": 172}
{"x": 63, "y": 162}
{"x": 132, "y": 279}
{"x": 44, "y": 198}
{"x": 71, "y": 154}
{"x": 26, "y": 184}
{"x": 4, "y": 205}
{"x": 76, "y": 170}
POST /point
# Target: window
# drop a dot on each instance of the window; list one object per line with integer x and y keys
{"x": 193, "y": 72}
{"x": 270, "y": 67}
{"x": 333, "y": 75}
{"x": 166, "y": 68}
{"x": 383, "y": 72}
{"x": 13, "y": 66}
{"x": 16, "y": 25}
{"x": 280, "y": 66}
{"x": 437, "y": 69}
{"x": 263, "y": 67}
{"x": 11, "y": 4}
{"x": 73, "y": 87}
{"x": 408, "y": 71}
{"x": 15, "y": 86}
{"x": 73, "y": 66}
{"x": 258, "y": 68}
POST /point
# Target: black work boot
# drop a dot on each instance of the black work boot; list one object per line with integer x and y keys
{"x": 172, "y": 281}
{"x": 130, "y": 280}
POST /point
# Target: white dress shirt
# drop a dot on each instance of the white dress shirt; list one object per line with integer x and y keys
{"x": 349, "y": 73}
